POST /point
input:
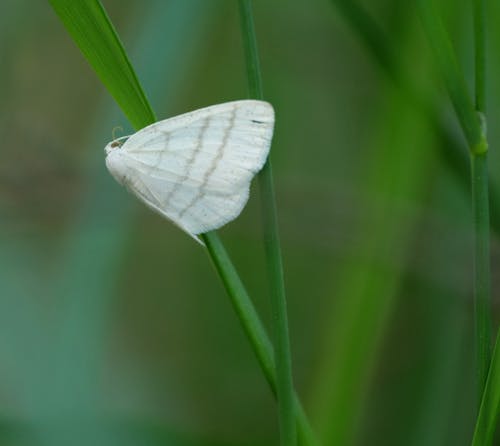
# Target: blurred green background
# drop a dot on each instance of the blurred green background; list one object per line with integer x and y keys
{"x": 114, "y": 328}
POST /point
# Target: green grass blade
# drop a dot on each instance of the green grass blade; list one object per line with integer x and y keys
{"x": 472, "y": 127}
{"x": 243, "y": 306}
{"x": 490, "y": 405}
{"x": 381, "y": 48}
{"x": 480, "y": 206}
{"x": 95, "y": 241}
{"x": 472, "y": 124}
{"x": 372, "y": 37}
{"x": 480, "y": 54}
{"x": 453, "y": 76}
{"x": 90, "y": 27}
{"x": 254, "y": 328}
{"x": 482, "y": 273}
{"x": 283, "y": 361}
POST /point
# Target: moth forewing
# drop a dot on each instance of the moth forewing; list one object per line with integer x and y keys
{"x": 195, "y": 169}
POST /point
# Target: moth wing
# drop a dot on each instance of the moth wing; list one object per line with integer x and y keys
{"x": 196, "y": 168}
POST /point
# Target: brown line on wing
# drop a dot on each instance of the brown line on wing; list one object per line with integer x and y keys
{"x": 213, "y": 165}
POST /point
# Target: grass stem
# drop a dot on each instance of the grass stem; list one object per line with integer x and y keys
{"x": 254, "y": 328}
{"x": 480, "y": 204}
{"x": 490, "y": 405}
{"x": 482, "y": 280}
{"x": 474, "y": 129}
{"x": 285, "y": 392}
{"x": 452, "y": 75}
{"x": 480, "y": 54}
{"x": 383, "y": 50}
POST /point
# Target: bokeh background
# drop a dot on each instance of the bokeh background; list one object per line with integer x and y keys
{"x": 114, "y": 328}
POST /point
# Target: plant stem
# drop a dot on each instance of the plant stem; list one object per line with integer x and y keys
{"x": 382, "y": 49}
{"x": 482, "y": 279}
{"x": 490, "y": 404}
{"x": 480, "y": 54}
{"x": 452, "y": 75}
{"x": 278, "y": 303}
{"x": 252, "y": 61}
{"x": 472, "y": 123}
{"x": 480, "y": 204}
{"x": 254, "y": 328}
{"x": 283, "y": 361}
{"x": 242, "y": 304}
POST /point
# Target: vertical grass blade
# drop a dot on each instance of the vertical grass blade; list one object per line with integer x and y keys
{"x": 480, "y": 203}
{"x": 481, "y": 212}
{"x": 272, "y": 248}
{"x": 474, "y": 131}
{"x": 254, "y": 328}
{"x": 453, "y": 76}
{"x": 490, "y": 405}
{"x": 482, "y": 274}
{"x": 243, "y": 306}
{"x": 381, "y": 48}
{"x": 480, "y": 54}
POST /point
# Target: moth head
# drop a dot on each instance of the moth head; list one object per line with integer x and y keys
{"x": 116, "y": 165}
{"x": 115, "y": 144}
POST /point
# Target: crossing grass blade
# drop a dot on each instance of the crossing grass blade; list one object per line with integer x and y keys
{"x": 88, "y": 23}
{"x": 91, "y": 29}
{"x": 473, "y": 126}
{"x": 453, "y": 76}
{"x": 96, "y": 238}
{"x": 384, "y": 50}
{"x": 490, "y": 405}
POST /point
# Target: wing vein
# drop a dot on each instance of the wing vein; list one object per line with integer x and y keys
{"x": 190, "y": 162}
{"x": 213, "y": 165}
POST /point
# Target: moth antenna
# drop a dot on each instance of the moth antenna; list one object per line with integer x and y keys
{"x": 115, "y": 129}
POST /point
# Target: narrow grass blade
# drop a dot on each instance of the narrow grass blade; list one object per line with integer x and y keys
{"x": 481, "y": 211}
{"x": 372, "y": 37}
{"x": 93, "y": 32}
{"x": 480, "y": 54}
{"x": 254, "y": 329}
{"x": 472, "y": 126}
{"x": 94, "y": 244}
{"x": 482, "y": 273}
{"x": 490, "y": 405}
{"x": 453, "y": 76}
{"x": 382, "y": 49}
{"x": 283, "y": 361}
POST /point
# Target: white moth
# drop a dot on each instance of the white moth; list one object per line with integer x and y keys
{"x": 195, "y": 169}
